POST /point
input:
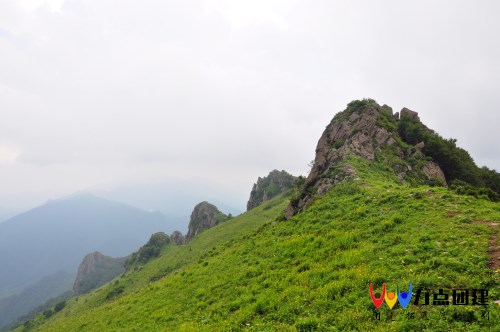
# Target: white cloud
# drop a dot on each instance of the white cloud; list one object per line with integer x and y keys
{"x": 8, "y": 154}
{"x": 244, "y": 13}
{"x": 53, "y": 5}
{"x": 100, "y": 92}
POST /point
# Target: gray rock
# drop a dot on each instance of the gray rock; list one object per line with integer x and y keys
{"x": 433, "y": 171}
{"x": 407, "y": 112}
{"x": 178, "y": 238}
{"x": 95, "y": 270}
{"x": 204, "y": 216}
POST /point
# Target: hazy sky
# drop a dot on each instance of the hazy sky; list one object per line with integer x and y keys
{"x": 104, "y": 94}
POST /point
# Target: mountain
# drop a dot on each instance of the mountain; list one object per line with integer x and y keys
{"x": 57, "y": 235}
{"x": 414, "y": 153}
{"x": 367, "y": 214}
{"x": 20, "y": 304}
{"x": 265, "y": 188}
{"x": 204, "y": 215}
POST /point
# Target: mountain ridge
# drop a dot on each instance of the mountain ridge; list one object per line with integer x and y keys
{"x": 370, "y": 215}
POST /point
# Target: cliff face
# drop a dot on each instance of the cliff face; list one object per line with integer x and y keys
{"x": 95, "y": 270}
{"x": 367, "y": 130}
{"x": 269, "y": 186}
{"x": 204, "y": 215}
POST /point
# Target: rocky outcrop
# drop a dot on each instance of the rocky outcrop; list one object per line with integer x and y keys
{"x": 204, "y": 215}
{"x": 95, "y": 270}
{"x": 370, "y": 131}
{"x": 178, "y": 238}
{"x": 275, "y": 183}
{"x": 357, "y": 133}
{"x": 433, "y": 171}
{"x": 407, "y": 112}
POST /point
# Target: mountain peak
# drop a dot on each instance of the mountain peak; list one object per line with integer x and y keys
{"x": 369, "y": 131}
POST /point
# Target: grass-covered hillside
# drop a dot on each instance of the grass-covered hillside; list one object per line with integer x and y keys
{"x": 313, "y": 271}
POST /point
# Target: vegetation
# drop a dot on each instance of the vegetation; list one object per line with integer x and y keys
{"x": 150, "y": 250}
{"x": 270, "y": 186}
{"x": 310, "y": 273}
{"x": 455, "y": 162}
{"x": 355, "y": 106}
{"x": 23, "y": 303}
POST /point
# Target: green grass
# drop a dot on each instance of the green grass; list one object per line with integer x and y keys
{"x": 312, "y": 272}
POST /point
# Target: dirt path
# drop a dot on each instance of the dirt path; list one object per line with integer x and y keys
{"x": 493, "y": 246}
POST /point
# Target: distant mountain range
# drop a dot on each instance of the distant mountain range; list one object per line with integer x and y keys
{"x": 20, "y": 304}
{"x": 57, "y": 235}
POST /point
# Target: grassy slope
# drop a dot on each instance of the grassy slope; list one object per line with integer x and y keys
{"x": 311, "y": 272}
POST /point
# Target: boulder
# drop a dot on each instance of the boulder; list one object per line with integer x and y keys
{"x": 407, "y": 112}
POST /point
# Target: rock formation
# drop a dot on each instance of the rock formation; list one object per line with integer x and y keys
{"x": 433, "y": 171}
{"x": 407, "y": 112}
{"x": 367, "y": 130}
{"x": 204, "y": 215}
{"x": 178, "y": 238}
{"x": 95, "y": 270}
{"x": 269, "y": 186}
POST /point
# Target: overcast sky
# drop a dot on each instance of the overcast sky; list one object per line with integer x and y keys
{"x": 104, "y": 94}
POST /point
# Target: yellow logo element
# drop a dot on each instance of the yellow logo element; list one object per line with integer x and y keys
{"x": 391, "y": 299}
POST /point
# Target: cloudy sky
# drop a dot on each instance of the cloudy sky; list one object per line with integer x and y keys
{"x": 109, "y": 94}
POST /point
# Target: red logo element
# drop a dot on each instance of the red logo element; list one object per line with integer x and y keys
{"x": 377, "y": 301}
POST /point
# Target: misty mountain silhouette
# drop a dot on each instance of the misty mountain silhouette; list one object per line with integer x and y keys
{"x": 57, "y": 235}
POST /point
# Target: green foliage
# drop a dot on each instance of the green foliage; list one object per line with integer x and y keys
{"x": 337, "y": 144}
{"x": 59, "y": 306}
{"x": 490, "y": 179}
{"x": 386, "y": 120}
{"x": 295, "y": 192}
{"x": 456, "y": 163}
{"x": 355, "y": 106}
{"x": 312, "y": 272}
{"x": 25, "y": 321}
{"x": 463, "y": 188}
{"x": 359, "y": 105}
{"x": 26, "y": 301}
{"x": 150, "y": 250}
{"x": 115, "y": 291}
{"x": 48, "y": 313}
{"x": 411, "y": 130}
{"x": 346, "y": 188}
{"x": 272, "y": 185}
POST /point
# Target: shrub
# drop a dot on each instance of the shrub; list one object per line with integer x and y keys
{"x": 48, "y": 313}
{"x": 150, "y": 250}
{"x": 115, "y": 291}
{"x": 456, "y": 163}
{"x": 59, "y": 306}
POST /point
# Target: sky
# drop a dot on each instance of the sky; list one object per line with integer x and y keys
{"x": 111, "y": 95}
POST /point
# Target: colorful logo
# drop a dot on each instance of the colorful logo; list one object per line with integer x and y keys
{"x": 391, "y": 298}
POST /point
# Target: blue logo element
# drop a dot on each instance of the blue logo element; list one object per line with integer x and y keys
{"x": 404, "y": 297}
